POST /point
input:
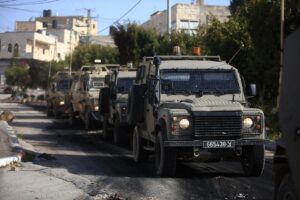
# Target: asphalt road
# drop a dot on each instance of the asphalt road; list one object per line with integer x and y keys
{"x": 99, "y": 168}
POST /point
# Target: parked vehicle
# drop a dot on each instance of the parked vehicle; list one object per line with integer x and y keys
{"x": 113, "y": 105}
{"x": 190, "y": 106}
{"x": 57, "y": 93}
{"x": 83, "y": 103}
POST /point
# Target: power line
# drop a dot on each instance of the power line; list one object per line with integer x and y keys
{"x": 21, "y": 9}
{"x": 117, "y": 21}
{"x": 29, "y": 3}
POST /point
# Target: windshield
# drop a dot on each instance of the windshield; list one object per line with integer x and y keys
{"x": 198, "y": 81}
{"x": 124, "y": 84}
{"x": 63, "y": 85}
{"x": 96, "y": 83}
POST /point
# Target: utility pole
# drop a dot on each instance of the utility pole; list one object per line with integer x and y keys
{"x": 169, "y": 16}
{"x": 71, "y": 56}
{"x": 281, "y": 50}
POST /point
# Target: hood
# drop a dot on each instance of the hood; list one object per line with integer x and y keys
{"x": 195, "y": 105}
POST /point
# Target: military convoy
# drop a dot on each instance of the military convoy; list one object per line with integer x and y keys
{"x": 56, "y": 94}
{"x": 177, "y": 107}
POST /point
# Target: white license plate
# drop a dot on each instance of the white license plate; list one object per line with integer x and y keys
{"x": 219, "y": 144}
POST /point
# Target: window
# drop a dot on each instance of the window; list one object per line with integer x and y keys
{"x": 94, "y": 26}
{"x": 45, "y": 24}
{"x": 58, "y": 55}
{"x": 9, "y": 48}
{"x": 16, "y": 49}
{"x": 44, "y": 51}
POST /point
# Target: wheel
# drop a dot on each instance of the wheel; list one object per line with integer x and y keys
{"x": 287, "y": 190}
{"x": 138, "y": 151}
{"x": 253, "y": 160}
{"x": 56, "y": 113}
{"x": 165, "y": 158}
{"x": 49, "y": 111}
{"x": 106, "y": 129}
{"x": 117, "y": 135}
{"x": 88, "y": 123}
{"x": 72, "y": 118}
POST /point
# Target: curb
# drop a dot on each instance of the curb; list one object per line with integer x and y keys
{"x": 14, "y": 144}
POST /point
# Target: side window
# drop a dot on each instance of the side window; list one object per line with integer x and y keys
{"x": 9, "y": 48}
{"x": 16, "y": 49}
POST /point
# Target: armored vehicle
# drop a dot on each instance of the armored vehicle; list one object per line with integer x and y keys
{"x": 188, "y": 107}
{"x": 84, "y": 94}
{"x": 286, "y": 158}
{"x": 113, "y": 105}
{"x": 57, "y": 93}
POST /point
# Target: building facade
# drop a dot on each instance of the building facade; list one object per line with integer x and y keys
{"x": 46, "y": 38}
{"x": 186, "y": 17}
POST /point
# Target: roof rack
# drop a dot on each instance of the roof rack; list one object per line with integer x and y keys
{"x": 212, "y": 58}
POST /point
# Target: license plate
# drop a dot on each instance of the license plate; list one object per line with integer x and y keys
{"x": 219, "y": 144}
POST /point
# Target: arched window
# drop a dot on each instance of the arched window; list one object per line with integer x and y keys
{"x": 9, "y": 48}
{"x": 16, "y": 49}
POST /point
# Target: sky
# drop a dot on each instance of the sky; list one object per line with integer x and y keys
{"x": 106, "y": 12}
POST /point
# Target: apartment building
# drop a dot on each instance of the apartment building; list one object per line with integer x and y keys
{"x": 186, "y": 17}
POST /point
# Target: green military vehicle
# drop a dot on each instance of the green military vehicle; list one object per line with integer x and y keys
{"x": 188, "y": 107}
{"x": 113, "y": 104}
{"x": 57, "y": 93}
{"x": 84, "y": 92}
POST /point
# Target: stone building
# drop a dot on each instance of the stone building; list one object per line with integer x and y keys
{"x": 186, "y": 17}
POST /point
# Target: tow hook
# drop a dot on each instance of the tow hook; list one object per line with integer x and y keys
{"x": 196, "y": 152}
{"x": 238, "y": 151}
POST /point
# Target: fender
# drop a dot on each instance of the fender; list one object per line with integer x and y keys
{"x": 161, "y": 125}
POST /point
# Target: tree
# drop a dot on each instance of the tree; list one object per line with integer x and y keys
{"x": 17, "y": 74}
{"x": 86, "y": 55}
{"x": 134, "y": 42}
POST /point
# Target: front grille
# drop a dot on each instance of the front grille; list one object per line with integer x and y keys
{"x": 218, "y": 125}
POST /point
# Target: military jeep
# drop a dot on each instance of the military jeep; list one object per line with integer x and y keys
{"x": 56, "y": 94}
{"x": 188, "y": 107}
{"x": 113, "y": 105}
{"x": 83, "y": 103}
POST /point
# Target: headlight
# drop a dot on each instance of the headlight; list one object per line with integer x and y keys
{"x": 96, "y": 108}
{"x": 184, "y": 123}
{"x": 248, "y": 122}
{"x": 62, "y": 103}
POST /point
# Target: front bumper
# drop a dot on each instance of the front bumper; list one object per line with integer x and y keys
{"x": 199, "y": 143}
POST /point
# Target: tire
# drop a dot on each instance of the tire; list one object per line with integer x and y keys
{"x": 104, "y": 101}
{"x": 253, "y": 160}
{"x": 72, "y": 118}
{"x": 139, "y": 153}
{"x": 106, "y": 129}
{"x": 88, "y": 124}
{"x": 49, "y": 111}
{"x": 118, "y": 139}
{"x": 56, "y": 113}
{"x": 287, "y": 190}
{"x": 135, "y": 105}
{"x": 165, "y": 158}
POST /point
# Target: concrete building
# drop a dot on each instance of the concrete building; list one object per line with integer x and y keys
{"x": 45, "y": 39}
{"x": 186, "y": 17}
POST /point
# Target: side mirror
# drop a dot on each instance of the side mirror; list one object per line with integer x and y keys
{"x": 156, "y": 61}
{"x": 166, "y": 85}
{"x": 107, "y": 79}
{"x": 252, "y": 90}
